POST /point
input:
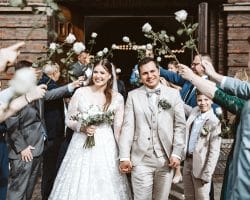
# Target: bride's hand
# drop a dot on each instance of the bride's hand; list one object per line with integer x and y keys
{"x": 89, "y": 130}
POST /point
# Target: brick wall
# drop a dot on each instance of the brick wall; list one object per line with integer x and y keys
{"x": 238, "y": 30}
{"x": 18, "y": 25}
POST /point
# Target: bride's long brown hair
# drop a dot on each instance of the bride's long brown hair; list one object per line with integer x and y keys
{"x": 108, "y": 90}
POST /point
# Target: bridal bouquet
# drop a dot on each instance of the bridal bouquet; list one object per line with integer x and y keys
{"x": 94, "y": 116}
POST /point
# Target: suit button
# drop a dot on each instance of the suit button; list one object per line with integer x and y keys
{"x": 148, "y": 138}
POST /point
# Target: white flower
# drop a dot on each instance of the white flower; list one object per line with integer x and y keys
{"x": 158, "y": 59}
{"x": 24, "y": 80}
{"x": 52, "y": 46}
{"x": 126, "y": 39}
{"x": 118, "y": 70}
{"x": 78, "y": 47}
{"x": 218, "y": 111}
{"x": 49, "y": 12}
{"x": 146, "y": 28}
{"x": 114, "y": 46}
{"x": 181, "y": 15}
{"x": 142, "y": 47}
{"x": 70, "y": 38}
{"x": 105, "y": 50}
{"x": 149, "y": 46}
{"x": 94, "y": 35}
{"x": 134, "y": 47}
{"x": 99, "y": 53}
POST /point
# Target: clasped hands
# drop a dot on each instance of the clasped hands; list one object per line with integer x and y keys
{"x": 126, "y": 166}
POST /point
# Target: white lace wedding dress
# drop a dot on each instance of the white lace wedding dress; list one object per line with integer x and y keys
{"x": 92, "y": 173}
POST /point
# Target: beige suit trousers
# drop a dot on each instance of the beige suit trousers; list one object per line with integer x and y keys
{"x": 152, "y": 179}
{"x": 193, "y": 188}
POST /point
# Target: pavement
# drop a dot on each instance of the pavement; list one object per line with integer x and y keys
{"x": 176, "y": 192}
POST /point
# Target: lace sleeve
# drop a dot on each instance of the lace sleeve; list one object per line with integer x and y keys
{"x": 118, "y": 118}
{"x": 73, "y": 109}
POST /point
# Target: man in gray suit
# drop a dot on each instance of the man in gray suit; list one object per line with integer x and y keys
{"x": 153, "y": 134}
{"x": 26, "y": 135}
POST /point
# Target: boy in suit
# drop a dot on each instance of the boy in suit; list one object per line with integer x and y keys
{"x": 202, "y": 149}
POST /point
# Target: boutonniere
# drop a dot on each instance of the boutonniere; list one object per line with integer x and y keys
{"x": 164, "y": 104}
{"x": 204, "y": 131}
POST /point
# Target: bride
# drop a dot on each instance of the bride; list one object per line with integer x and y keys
{"x": 92, "y": 173}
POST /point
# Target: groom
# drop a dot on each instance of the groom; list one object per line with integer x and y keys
{"x": 152, "y": 138}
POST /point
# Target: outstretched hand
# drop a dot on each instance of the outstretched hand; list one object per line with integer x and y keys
{"x": 37, "y": 93}
{"x": 185, "y": 72}
{"x": 208, "y": 67}
{"x": 9, "y": 55}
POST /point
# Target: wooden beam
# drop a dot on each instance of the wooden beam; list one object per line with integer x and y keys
{"x": 203, "y": 28}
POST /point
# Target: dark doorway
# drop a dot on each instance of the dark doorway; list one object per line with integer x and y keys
{"x": 111, "y": 29}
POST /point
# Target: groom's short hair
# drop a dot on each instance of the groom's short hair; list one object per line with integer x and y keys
{"x": 145, "y": 61}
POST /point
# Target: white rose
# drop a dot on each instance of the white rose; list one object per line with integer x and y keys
{"x": 218, "y": 111}
{"x": 181, "y": 15}
{"x": 24, "y": 80}
{"x": 70, "y": 38}
{"x": 146, "y": 28}
{"x": 114, "y": 46}
{"x": 134, "y": 47}
{"x": 52, "y": 46}
{"x": 78, "y": 47}
{"x": 105, "y": 50}
{"x": 118, "y": 70}
{"x": 149, "y": 46}
{"x": 158, "y": 59}
{"x": 94, "y": 35}
{"x": 125, "y": 39}
{"x": 99, "y": 53}
{"x": 142, "y": 47}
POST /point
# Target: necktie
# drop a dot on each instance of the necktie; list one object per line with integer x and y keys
{"x": 188, "y": 93}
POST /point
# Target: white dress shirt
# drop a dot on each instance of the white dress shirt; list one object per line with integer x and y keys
{"x": 195, "y": 132}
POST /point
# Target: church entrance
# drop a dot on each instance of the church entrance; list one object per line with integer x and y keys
{"x": 111, "y": 29}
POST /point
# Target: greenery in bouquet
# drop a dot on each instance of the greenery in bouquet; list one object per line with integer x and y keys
{"x": 94, "y": 116}
{"x": 187, "y": 29}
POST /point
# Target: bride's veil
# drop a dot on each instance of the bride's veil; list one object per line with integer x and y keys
{"x": 115, "y": 87}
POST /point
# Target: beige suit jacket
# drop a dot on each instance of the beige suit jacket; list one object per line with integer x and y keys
{"x": 207, "y": 150}
{"x": 135, "y": 135}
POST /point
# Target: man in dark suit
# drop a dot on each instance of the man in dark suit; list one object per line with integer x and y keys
{"x": 26, "y": 135}
{"x": 81, "y": 68}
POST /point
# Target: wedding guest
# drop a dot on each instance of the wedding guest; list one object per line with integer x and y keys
{"x": 237, "y": 181}
{"x": 92, "y": 171}
{"x": 203, "y": 140}
{"x": 26, "y": 135}
{"x": 187, "y": 88}
{"x": 82, "y": 67}
{"x": 54, "y": 122}
{"x": 149, "y": 147}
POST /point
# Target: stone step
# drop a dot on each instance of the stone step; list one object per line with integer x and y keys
{"x": 177, "y": 192}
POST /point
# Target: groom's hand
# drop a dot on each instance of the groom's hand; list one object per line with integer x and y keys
{"x": 125, "y": 166}
{"x": 174, "y": 162}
